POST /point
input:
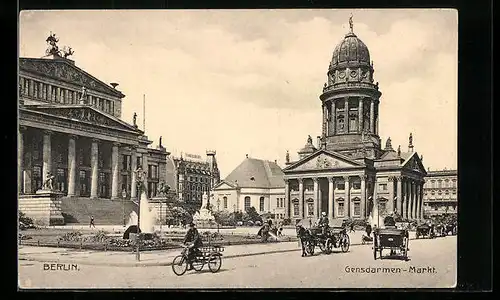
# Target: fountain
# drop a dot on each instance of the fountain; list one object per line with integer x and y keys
{"x": 204, "y": 218}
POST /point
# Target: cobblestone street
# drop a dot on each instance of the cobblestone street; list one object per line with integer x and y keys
{"x": 432, "y": 264}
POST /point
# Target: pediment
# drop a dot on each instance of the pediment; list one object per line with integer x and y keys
{"x": 59, "y": 69}
{"x": 414, "y": 163}
{"x": 323, "y": 160}
{"x": 224, "y": 185}
{"x": 86, "y": 114}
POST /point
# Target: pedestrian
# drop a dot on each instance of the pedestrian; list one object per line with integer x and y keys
{"x": 352, "y": 227}
{"x": 92, "y": 222}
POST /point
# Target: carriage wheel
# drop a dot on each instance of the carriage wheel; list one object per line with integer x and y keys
{"x": 329, "y": 245}
{"x": 310, "y": 248}
{"x": 179, "y": 265}
{"x": 363, "y": 241}
{"x": 322, "y": 246}
{"x": 345, "y": 243}
{"x": 199, "y": 263}
{"x": 214, "y": 262}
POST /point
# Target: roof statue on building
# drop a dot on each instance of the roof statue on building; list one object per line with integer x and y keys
{"x": 309, "y": 139}
{"x": 410, "y": 143}
{"x": 135, "y": 120}
{"x": 83, "y": 97}
{"x": 160, "y": 142}
{"x": 287, "y": 157}
{"x": 421, "y": 158}
{"x": 68, "y": 52}
{"x": 388, "y": 144}
{"x": 53, "y": 49}
{"x": 399, "y": 150}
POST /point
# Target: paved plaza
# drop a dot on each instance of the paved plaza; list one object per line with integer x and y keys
{"x": 432, "y": 264}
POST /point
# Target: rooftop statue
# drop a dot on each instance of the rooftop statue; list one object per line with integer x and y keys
{"x": 68, "y": 52}
{"x": 309, "y": 139}
{"x": 351, "y": 25}
{"x": 135, "y": 119}
{"x": 53, "y": 49}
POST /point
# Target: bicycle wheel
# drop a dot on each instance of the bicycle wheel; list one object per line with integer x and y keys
{"x": 214, "y": 262}
{"x": 179, "y": 265}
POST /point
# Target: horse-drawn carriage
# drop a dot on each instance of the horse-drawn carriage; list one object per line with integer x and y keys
{"x": 425, "y": 231}
{"x": 396, "y": 240}
{"x": 326, "y": 240}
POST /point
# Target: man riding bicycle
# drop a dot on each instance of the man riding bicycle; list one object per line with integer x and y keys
{"x": 194, "y": 238}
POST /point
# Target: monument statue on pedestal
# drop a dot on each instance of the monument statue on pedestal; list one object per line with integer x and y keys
{"x": 48, "y": 184}
{"x": 162, "y": 190}
{"x": 204, "y": 216}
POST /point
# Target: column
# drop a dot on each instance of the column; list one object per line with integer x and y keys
{"x": 58, "y": 94}
{"x": 347, "y": 201}
{"x": 390, "y": 202}
{"x": 376, "y": 121}
{"x": 398, "y": 196}
{"x": 316, "y": 198}
{"x": 346, "y": 115}
{"x": 133, "y": 183}
{"x": 372, "y": 116}
{"x": 71, "y": 165}
{"x": 421, "y": 204}
{"x": 20, "y": 156}
{"x": 331, "y": 211}
{"x": 374, "y": 196}
{"x": 301, "y": 198}
{"x": 417, "y": 193}
{"x": 363, "y": 195}
{"x": 407, "y": 198}
{"x": 40, "y": 90}
{"x": 94, "y": 154}
{"x": 333, "y": 119}
{"x": 47, "y": 155}
{"x": 325, "y": 124}
{"x": 287, "y": 198}
{"x": 360, "y": 115}
{"x": 115, "y": 171}
{"x": 66, "y": 96}
{"x": 413, "y": 199}
{"x": 145, "y": 169}
{"x": 49, "y": 92}
{"x": 32, "y": 89}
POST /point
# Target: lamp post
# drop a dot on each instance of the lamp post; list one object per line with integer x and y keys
{"x": 218, "y": 204}
{"x": 140, "y": 186}
{"x": 124, "y": 195}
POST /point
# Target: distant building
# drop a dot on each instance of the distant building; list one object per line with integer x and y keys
{"x": 190, "y": 176}
{"x": 440, "y": 192}
{"x": 255, "y": 182}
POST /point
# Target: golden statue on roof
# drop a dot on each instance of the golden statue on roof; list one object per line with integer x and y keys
{"x": 351, "y": 24}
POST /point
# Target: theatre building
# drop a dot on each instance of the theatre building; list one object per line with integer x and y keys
{"x": 347, "y": 174}
{"x": 70, "y": 126}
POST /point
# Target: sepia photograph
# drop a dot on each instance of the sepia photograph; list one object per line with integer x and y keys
{"x": 222, "y": 149}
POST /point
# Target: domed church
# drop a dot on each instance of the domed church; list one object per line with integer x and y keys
{"x": 348, "y": 174}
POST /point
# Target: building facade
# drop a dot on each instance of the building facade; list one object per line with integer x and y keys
{"x": 348, "y": 174}
{"x": 440, "y": 192}
{"x": 191, "y": 176}
{"x": 254, "y": 183}
{"x": 70, "y": 126}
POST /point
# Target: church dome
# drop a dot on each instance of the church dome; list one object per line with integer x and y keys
{"x": 351, "y": 50}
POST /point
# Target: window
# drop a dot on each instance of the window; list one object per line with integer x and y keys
{"x": 341, "y": 209}
{"x": 356, "y": 185}
{"x": 341, "y": 186}
{"x": 125, "y": 182}
{"x": 138, "y": 162}
{"x": 433, "y": 184}
{"x": 353, "y": 124}
{"x": 37, "y": 176}
{"x": 340, "y": 124}
{"x": 439, "y": 183}
{"x": 454, "y": 183}
{"x": 357, "y": 208}
{"x": 247, "y": 203}
{"x": 295, "y": 209}
{"x": 282, "y": 202}
{"x": 277, "y": 202}
{"x": 310, "y": 209}
{"x": 126, "y": 159}
{"x": 261, "y": 204}
{"x": 153, "y": 171}
{"x": 382, "y": 187}
{"x": 224, "y": 199}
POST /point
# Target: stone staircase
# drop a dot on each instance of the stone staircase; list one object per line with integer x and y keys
{"x": 77, "y": 210}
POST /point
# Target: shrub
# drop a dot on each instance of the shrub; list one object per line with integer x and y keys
{"x": 74, "y": 236}
{"x": 99, "y": 237}
{"x": 27, "y": 221}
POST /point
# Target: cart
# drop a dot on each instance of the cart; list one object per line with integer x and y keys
{"x": 396, "y": 240}
{"x": 208, "y": 255}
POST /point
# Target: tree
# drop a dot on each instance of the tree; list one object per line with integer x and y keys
{"x": 224, "y": 218}
{"x": 253, "y": 215}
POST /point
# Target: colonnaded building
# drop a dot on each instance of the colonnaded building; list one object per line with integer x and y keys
{"x": 440, "y": 192}
{"x": 348, "y": 174}
{"x": 190, "y": 176}
{"x": 254, "y": 182}
{"x": 70, "y": 126}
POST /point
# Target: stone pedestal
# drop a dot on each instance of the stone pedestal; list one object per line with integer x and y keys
{"x": 44, "y": 207}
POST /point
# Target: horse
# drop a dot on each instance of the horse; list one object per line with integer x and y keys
{"x": 304, "y": 236}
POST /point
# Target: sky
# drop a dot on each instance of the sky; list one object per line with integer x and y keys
{"x": 248, "y": 81}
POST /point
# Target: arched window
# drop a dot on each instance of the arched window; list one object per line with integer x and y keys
{"x": 310, "y": 207}
{"x": 261, "y": 204}
{"x": 357, "y": 206}
{"x": 224, "y": 200}
{"x": 340, "y": 206}
{"x": 340, "y": 123}
{"x": 295, "y": 207}
{"x": 247, "y": 203}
